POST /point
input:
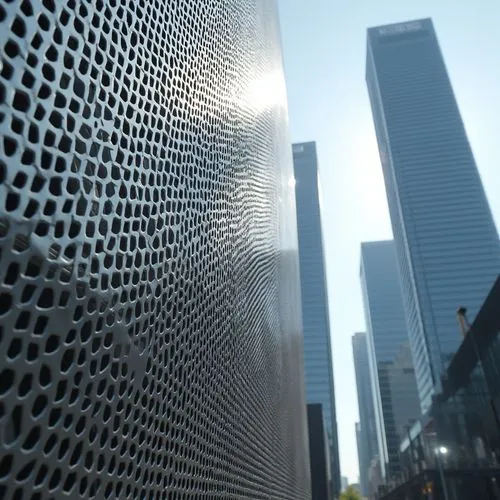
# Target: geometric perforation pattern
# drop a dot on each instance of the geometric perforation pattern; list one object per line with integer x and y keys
{"x": 149, "y": 316}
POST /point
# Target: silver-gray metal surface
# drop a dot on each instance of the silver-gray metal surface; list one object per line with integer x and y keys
{"x": 150, "y": 339}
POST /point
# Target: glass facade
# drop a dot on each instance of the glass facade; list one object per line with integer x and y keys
{"x": 366, "y": 432}
{"x": 392, "y": 377}
{"x": 315, "y": 316}
{"x": 464, "y": 417}
{"x": 447, "y": 244}
{"x": 467, "y": 412}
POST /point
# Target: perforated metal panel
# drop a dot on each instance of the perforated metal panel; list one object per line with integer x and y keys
{"x": 150, "y": 339}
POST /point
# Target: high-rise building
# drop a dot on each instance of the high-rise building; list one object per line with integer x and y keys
{"x": 447, "y": 244}
{"x": 315, "y": 316}
{"x": 387, "y": 338}
{"x": 150, "y": 326}
{"x": 404, "y": 392}
{"x": 344, "y": 483}
{"x": 361, "y": 449}
{"x": 366, "y": 428}
{"x": 375, "y": 478}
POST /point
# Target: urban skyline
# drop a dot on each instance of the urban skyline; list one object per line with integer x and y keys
{"x": 153, "y": 300}
{"x": 328, "y": 102}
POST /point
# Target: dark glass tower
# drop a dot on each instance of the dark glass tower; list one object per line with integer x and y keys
{"x": 447, "y": 244}
{"x": 393, "y": 381}
{"x": 319, "y": 456}
{"x": 150, "y": 327}
{"x": 365, "y": 430}
{"x": 315, "y": 316}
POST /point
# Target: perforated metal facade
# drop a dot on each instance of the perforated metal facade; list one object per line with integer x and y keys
{"x": 150, "y": 340}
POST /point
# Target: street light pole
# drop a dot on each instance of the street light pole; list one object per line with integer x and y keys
{"x": 441, "y": 450}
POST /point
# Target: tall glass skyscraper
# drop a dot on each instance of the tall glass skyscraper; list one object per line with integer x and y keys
{"x": 387, "y": 339}
{"x": 447, "y": 244}
{"x": 366, "y": 433}
{"x": 317, "y": 346}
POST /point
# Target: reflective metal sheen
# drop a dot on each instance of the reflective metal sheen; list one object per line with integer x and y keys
{"x": 150, "y": 339}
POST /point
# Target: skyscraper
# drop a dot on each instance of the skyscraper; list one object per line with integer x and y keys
{"x": 387, "y": 338}
{"x": 447, "y": 244}
{"x": 315, "y": 316}
{"x": 366, "y": 428}
{"x": 361, "y": 449}
{"x": 150, "y": 329}
{"x": 344, "y": 483}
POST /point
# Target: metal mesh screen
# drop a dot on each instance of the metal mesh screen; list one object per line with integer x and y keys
{"x": 149, "y": 314}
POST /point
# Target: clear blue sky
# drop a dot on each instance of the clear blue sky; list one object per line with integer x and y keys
{"x": 324, "y": 54}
